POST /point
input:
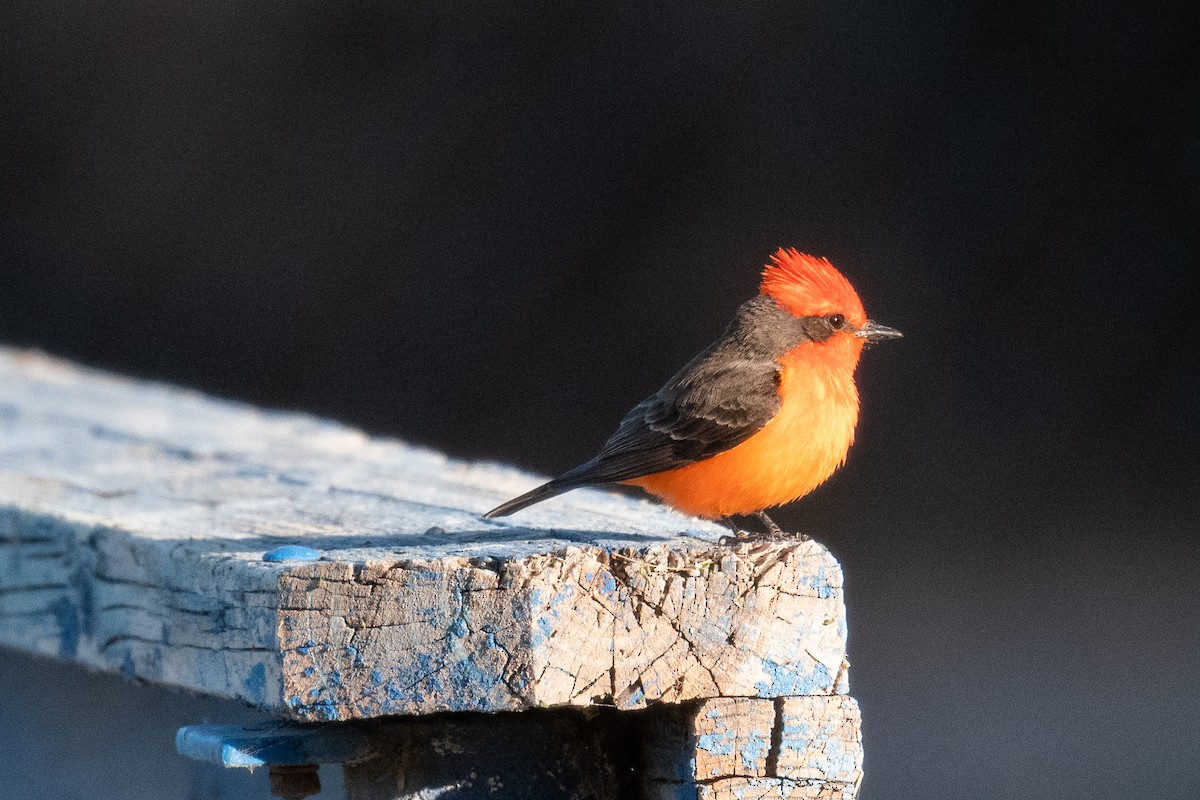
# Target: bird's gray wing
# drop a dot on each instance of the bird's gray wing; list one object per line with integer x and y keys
{"x": 720, "y": 399}
{"x": 711, "y": 406}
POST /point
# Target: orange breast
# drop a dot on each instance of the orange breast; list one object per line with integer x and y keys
{"x": 789, "y": 457}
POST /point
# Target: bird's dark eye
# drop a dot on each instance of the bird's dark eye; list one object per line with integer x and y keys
{"x": 836, "y": 321}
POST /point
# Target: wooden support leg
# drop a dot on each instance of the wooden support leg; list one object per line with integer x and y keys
{"x": 744, "y": 748}
{"x": 294, "y": 782}
{"x": 558, "y": 754}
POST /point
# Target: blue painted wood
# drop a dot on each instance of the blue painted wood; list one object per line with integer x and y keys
{"x": 286, "y": 744}
{"x": 291, "y": 552}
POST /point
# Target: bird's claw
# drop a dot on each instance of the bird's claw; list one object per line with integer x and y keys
{"x": 773, "y": 532}
{"x": 754, "y": 537}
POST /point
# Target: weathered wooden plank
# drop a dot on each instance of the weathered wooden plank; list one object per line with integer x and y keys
{"x": 134, "y": 519}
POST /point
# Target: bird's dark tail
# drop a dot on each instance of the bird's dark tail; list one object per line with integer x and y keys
{"x": 546, "y": 490}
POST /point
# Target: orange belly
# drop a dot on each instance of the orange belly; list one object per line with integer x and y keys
{"x": 789, "y": 457}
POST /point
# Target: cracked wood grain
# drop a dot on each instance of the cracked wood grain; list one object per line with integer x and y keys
{"x": 581, "y": 626}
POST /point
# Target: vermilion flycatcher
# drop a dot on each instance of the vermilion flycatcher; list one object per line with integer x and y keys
{"x": 760, "y": 418}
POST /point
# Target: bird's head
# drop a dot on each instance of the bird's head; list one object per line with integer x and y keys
{"x": 810, "y": 287}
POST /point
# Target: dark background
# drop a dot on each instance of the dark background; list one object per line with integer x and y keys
{"x": 493, "y": 229}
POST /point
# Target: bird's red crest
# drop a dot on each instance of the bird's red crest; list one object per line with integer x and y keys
{"x": 809, "y": 286}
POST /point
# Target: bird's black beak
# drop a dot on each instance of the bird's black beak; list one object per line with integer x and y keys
{"x": 874, "y": 332}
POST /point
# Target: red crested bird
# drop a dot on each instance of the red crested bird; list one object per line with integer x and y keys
{"x": 760, "y": 418}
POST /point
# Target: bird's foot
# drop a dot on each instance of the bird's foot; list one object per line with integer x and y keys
{"x": 753, "y": 537}
{"x": 773, "y": 532}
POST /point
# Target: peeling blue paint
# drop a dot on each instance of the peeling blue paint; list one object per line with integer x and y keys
{"x": 754, "y": 749}
{"x": 822, "y": 749}
{"x": 470, "y": 683}
{"x": 459, "y": 628}
{"x": 356, "y": 657}
{"x": 819, "y": 582}
{"x": 325, "y": 710}
{"x": 785, "y": 680}
{"x": 833, "y": 757}
{"x": 291, "y": 552}
{"x": 544, "y": 630}
{"x": 563, "y": 594}
{"x": 256, "y": 684}
{"x": 795, "y": 735}
{"x": 717, "y": 743}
